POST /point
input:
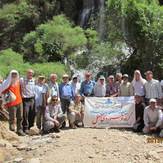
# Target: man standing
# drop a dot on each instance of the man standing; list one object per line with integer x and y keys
{"x": 75, "y": 84}
{"x": 54, "y": 116}
{"x": 112, "y": 87}
{"x": 119, "y": 78}
{"x": 87, "y": 86}
{"x": 14, "y": 104}
{"x": 152, "y": 88}
{"x": 76, "y": 112}
{"x": 125, "y": 88}
{"x": 27, "y": 85}
{"x": 50, "y": 89}
{"x": 139, "y": 112}
{"x": 66, "y": 95}
{"x": 138, "y": 84}
{"x": 152, "y": 118}
{"x": 38, "y": 102}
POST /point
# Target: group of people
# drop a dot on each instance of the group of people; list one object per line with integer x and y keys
{"x": 50, "y": 102}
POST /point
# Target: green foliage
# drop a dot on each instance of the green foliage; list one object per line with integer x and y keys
{"x": 52, "y": 40}
{"x": 10, "y": 60}
{"x": 139, "y": 25}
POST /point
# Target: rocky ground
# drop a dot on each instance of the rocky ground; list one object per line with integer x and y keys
{"x": 79, "y": 145}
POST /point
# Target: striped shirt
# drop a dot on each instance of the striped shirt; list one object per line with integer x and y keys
{"x": 27, "y": 87}
{"x": 153, "y": 89}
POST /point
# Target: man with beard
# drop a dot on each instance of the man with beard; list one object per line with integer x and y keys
{"x": 14, "y": 106}
{"x": 125, "y": 88}
{"x": 27, "y": 85}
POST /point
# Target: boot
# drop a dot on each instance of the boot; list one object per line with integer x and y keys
{"x": 73, "y": 126}
{"x": 21, "y": 133}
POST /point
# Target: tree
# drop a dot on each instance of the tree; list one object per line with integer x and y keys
{"x": 57, "y": 38}
{"x": 139, "y": 25}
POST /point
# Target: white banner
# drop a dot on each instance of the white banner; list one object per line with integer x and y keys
{"x": 109, "y": 112}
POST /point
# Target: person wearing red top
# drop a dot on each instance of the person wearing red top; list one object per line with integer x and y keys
{"x": 14, "y": 107}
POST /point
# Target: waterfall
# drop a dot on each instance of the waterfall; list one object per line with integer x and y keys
{"x": 102, "y": 17}
{"x": 85, "y": 13}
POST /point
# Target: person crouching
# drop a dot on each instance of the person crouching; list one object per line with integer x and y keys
{"x": 76, "y": 112}
{"x": 54, "y": 116}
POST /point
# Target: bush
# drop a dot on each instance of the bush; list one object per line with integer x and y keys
{"x": 10, "y": 60}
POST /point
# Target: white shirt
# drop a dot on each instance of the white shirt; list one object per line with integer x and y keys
{"x": 139, "y": 88}
{"x": 153, "y": 89}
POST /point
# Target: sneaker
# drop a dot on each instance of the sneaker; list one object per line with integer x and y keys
{"x": 26, "y": 131}
{"x": 73, "y": 126}
{"x": 21, "y": 133}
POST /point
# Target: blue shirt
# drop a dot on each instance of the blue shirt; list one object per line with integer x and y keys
{"x": 66, "y": 90}
{"x": 38, "y": 94}
{"x": 54, "y": 89}
{"x": 87, "y": 88}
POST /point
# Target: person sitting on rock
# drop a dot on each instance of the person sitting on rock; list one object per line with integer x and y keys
{"x": 54, "y": 116}
{"x": 76, "y": 112}
{"x": 153, "y": 118}
{"x": 14, "y": 104}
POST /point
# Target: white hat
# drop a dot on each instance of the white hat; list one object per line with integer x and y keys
{"x": 65, "y": 76}
{"x": 152, "y": 100}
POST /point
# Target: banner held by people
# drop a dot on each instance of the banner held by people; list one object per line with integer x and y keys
{"x": 109, "y": 112}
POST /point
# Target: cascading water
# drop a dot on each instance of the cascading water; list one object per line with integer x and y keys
{"x": 83, "y": 19}
{"x": 85, "y": 13}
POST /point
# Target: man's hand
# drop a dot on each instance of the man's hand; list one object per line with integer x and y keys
{"x": 6, "y": 106}
{"x": 56, "y": 123}
{"x": 38, "y": 107}
{"x": 153, "y": 128}
{"x": 83, "y": 97}
{"x": 79, "y": 114}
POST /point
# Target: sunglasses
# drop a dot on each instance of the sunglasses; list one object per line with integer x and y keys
{"x": 74, "y": 78}
{"x": 54, "y": 100}
{"x": 30, "y": 73}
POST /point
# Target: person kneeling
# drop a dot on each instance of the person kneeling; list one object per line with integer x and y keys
{"x": 76, "y": 112}
{"x": 54, "y": 116}
{"x": 153, "y": 119}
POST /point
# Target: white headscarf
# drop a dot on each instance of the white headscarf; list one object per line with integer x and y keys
{"x": 102, "y": 88}
{"x": 7, "y": 82}
{"x": 76, "y": 86}
{"x": 143, "y": 81}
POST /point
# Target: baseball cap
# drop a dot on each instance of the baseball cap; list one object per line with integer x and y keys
{"x": 74, "y": 76}
{"x": 125, "y": 75}
{"x": 152, "y": 100}
{"x": 101, "y": 77}
{"x": 111, "y": 76}
{"x": 87, "y": 74}
{"x": 65, "y": 76}
{"x": 41, "y": 77}
{"x": 148, "y": 72}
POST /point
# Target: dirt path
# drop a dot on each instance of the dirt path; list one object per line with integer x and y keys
{"x": 85, "y": 145}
